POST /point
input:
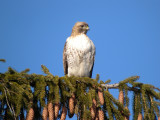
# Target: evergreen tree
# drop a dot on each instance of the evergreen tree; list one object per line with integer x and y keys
{"x": 52, "y": 97}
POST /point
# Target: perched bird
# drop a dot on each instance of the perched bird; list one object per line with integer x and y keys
{"x": 79, "y": 52}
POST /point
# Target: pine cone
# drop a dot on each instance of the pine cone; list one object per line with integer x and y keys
{"x": 94, "y": 103}
{"x": 45, "y": 113}
{"x": 100, "y": 95}
{"x": 30, "y": 115}
{"x": 50, "y": 111}
{"x": 93, "y": 113}
{"x": 100, "y": 114}
{"x": 56, "y": 110}
{"x": 71, "y": 104}
{"x": 140, "y": 117}
{"x": 93, "y": 109}
{"x": 121, "y": 97}
{"x": 64, "y": 113}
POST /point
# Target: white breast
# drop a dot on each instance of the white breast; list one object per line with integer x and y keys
{"x": 80, "y": 52}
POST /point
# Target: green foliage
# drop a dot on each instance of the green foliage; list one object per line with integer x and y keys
{"x": 19, "y": 91}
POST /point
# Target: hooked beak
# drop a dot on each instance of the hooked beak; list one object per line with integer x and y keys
{"x": 87, "y": 28}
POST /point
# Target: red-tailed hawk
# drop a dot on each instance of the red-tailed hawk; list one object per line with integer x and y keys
{"x": 79, "y": 52}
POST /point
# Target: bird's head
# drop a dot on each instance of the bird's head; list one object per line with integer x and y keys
{"x": 80, "y": 28}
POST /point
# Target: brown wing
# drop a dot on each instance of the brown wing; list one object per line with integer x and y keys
{"x": 65, "y": 63}
{"x": 90, "y": 75}
{"x": 93, "y": 58}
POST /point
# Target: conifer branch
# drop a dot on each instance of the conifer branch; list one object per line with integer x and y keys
{"x": 80, "y": 95}
{"x": 7, "y": 100}
{"x": 116, "y": 86}
{"x": 2, "y": 60}
{"x": 10, "y": 107}
{"x": 110, "y": 86}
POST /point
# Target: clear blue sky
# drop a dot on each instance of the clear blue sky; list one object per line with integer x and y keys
{"x": 126, "y": 34}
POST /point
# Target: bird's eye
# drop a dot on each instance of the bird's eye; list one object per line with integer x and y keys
{"x": 82, "y": 26}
